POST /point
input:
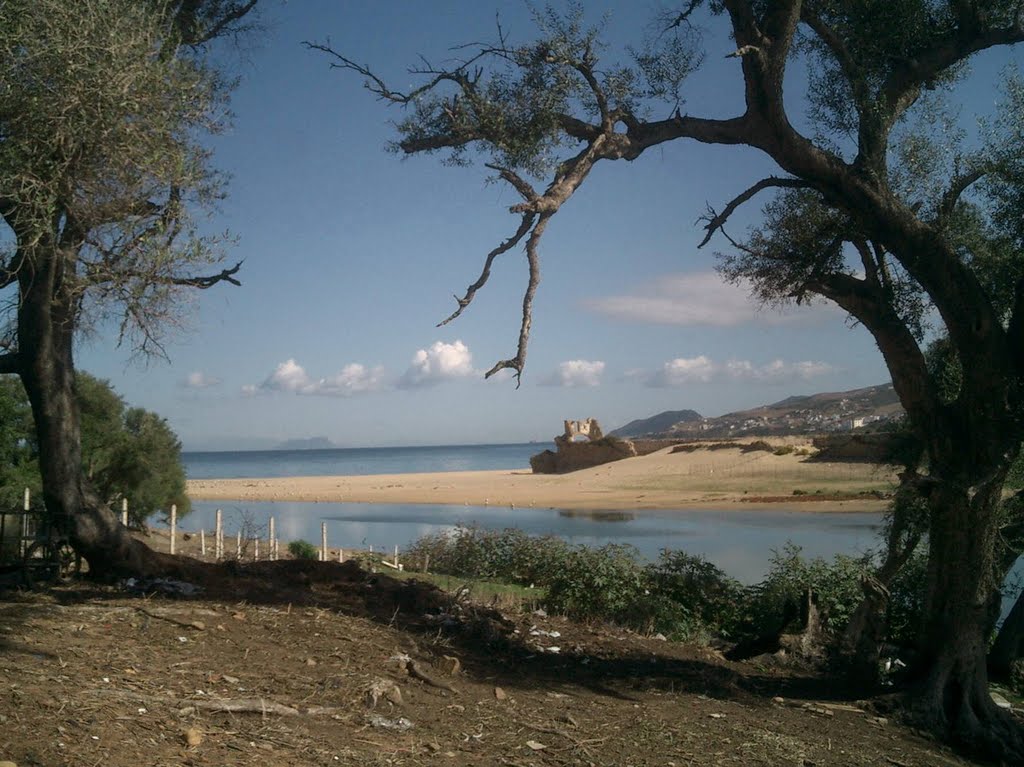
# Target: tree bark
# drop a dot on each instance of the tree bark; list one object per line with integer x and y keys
{"x": 950, "y": 694}
{"x": 46, "y": 324}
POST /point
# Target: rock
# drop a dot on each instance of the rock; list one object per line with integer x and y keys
{"x": 449, "y": 665}
{"x": 382, "y": 689}
{"x": 193, "y": 736}
{"x": 778, "y": 700}
{"x": 231, "y": 679}
{"x": 310, "y": 661}
{"x": 238, "y": 616}
{"x": 8, "y": 764}
{"x": 535, "y": 746}
{"x": 500, "y": 694}
{"x": 401, "y": 724}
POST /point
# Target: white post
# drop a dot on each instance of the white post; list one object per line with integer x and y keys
{"x": 124, "y": 512}
{"x": 174, "y": 525}
{"x": 272, "y": 538}
{"x": 255, "y": 549}
{"x": 23, "y": 544}
{"x": 341, "y": 556}
{"x": 238, "y": 546}
{"x": 277, "y": 549}
{"x": 218, "y": 539}
{"x": 323, "y": 541}
{"x": 396, "y": 557}
{"x": 202, "y": 543}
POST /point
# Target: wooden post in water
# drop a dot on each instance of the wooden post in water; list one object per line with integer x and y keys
{"x": 174, "y": 525}
{"x": 272, "y": 540}
{"x": 124, "y": 512}
{"x": 323, "y": 541}
{"x": 218, "y": 538}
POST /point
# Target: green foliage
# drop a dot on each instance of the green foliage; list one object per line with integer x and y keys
{"x": 790, "y": 576}
{"x": 708, "y": 594}
{"x": 303, "y": 550}
{"x": 784, "y": 450}
{"x": 605, "y": 583}
{"x": 126, "y": 452}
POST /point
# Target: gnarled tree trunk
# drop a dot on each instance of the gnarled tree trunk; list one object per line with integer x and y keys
{"x": 950, "y": 693}
{"x": 46, "y": 323}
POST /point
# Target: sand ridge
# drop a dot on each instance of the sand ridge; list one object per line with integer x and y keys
{"x": 662, "y": 480}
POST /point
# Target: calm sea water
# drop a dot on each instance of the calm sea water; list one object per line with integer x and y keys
{"x": 357, "y": 460}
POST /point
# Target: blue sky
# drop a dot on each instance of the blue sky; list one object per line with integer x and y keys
{"x": 352, "y": 255}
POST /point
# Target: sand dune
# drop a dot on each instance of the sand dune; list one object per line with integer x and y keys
{"x": 661, "y": 480}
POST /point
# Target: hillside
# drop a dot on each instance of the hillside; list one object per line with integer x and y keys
{"x": 801, "y": 414}
{"x": 656, "y": 423}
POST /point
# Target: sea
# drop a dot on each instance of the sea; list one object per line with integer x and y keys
{"x": 742, "y": 543}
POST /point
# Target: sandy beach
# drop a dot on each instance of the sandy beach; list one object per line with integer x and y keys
{"x": 703, "y": 478}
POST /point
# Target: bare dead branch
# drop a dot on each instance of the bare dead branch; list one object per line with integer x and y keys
{"x": 507, "y": 245}
{"x": 518, "y": 362}
{"x": 189, "y": 26}
{"x": 717, "y": 220}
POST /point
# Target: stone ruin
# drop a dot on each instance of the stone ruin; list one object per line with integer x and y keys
{"x": 573, "y": 455}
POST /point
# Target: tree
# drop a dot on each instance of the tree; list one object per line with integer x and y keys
{"x": 853, "y": 221}
{"x": 126, "y": 452}
{"x": 102, "y": 105}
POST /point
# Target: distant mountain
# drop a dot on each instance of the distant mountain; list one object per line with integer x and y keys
{"x": 802, "y": 414}
{"x": 656, "y": 423}
{"x": 310, "y": 443}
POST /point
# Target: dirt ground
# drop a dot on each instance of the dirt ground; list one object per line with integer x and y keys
{"x": 308, "y": 663}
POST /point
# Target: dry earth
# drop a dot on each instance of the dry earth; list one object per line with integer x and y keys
{"x": 307, "y": 663}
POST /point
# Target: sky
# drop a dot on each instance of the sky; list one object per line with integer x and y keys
{"x": 352, "y": 255}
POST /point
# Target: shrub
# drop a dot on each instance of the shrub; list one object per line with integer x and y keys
{"x": 303, "y": 550}
{"x": 708, "y": 595}
{"x": 790, "y": 576}
{"x": 758, "y": 445}
{"x": 784, "y": 450}
{"x": 603, "y": 583}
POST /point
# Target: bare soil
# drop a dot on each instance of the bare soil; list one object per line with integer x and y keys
{"x": 308, "y": 663}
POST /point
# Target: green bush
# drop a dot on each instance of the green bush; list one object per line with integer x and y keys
{"x": 784, "y": 450}
{"x": 790, "y": 576}
{"x": 605, "y": 583}
{"x": 704, "y": 590}
{"x": 303, "y": 550}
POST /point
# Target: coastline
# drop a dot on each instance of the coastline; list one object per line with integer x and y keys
{"x": 702, "y": 479}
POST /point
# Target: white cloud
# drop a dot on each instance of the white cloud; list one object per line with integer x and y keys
{"x": 290, "y": 376}
{"x": 200, "y": 380}
{"x": 576, "y": 373}
{"x": 697, "y": 298}
{"x": 703, "y": 369}
{"x": 441, "y": 362}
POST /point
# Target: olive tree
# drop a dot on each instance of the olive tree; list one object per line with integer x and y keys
{"x": 102, "y": 172}
{"x": 851, "y": 221}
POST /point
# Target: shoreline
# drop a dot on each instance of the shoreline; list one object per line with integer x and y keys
{"x": 713, "y": 480}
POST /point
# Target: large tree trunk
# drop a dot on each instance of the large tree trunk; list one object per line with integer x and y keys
{"x": 46, "y": 324}
{"x": 950, "y": 694}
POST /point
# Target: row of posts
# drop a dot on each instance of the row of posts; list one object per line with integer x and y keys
{"x": 273, "y": 541}
{"x": 218, "y": 539}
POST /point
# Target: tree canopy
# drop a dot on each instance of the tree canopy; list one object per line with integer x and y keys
{"x": 127, "y": 452}
{"x": 104, "y": 179}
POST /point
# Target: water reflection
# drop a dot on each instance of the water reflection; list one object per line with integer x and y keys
{"x": 740, "y": 542}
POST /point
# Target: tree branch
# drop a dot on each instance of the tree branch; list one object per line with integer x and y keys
{"x": 518, "y": 362}
{"x": 957, "y": 187}
{"x": 187, "y": 20}
{"x": 507, "y": 245}
{"x": 903, "y": 356}
{"x": 717, "y": 220}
